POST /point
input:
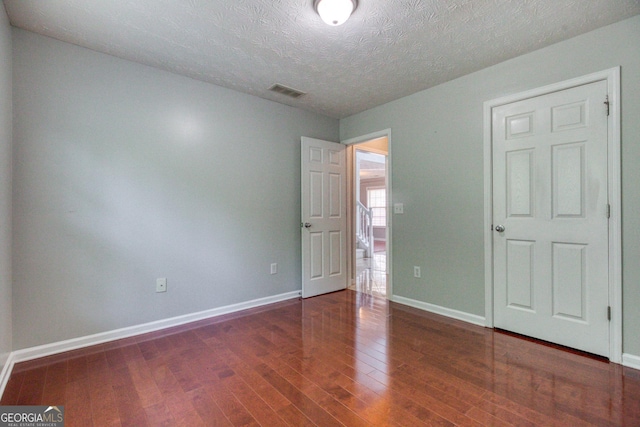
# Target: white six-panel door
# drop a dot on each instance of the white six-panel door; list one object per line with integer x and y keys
{"x": 550, "y": 217}
{"x": 324, "y": 221}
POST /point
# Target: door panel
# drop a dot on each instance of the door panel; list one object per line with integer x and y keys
{"x": 569, "y": 281}
{"x": 520, "y": 183}
{"x": 550, "y": 195}
{"x": 336, "y": 253}
{"x": 520, "y": 274}
{"x": 316, "y": 195}
{"x": 323, "y": 217}
{"x": 316, "y": 251}
{"x": 336, "y": 205}
{"x": 568, "y": 180}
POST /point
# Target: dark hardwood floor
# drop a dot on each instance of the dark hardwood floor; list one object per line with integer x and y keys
{"x": 345, "y": 358}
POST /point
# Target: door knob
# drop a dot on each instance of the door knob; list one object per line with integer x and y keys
{"x": 499, "y": 228}
{"x": 307, "y": 225}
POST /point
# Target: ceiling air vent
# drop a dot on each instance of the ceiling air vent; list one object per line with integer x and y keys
{"x": 287, "y": 91}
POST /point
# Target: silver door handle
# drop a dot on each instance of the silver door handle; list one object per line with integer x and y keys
{"x": 499, "y": 228}
{"x": 307, "y": 225}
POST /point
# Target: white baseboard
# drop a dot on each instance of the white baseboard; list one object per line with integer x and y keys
{"x": 631, "y": 361}
{"x": 7, "y": 367}
{"x": 117, "y": 334}
{"x": 443, "y": 311}
{"x": 3, "y": 359}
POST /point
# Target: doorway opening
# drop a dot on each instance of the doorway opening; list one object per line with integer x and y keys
{"x": 370, "y": 224}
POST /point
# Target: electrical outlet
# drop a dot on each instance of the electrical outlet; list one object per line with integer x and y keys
{"x": 274, "y": 268}
{"x": 416, "y": 271}
{"x": 161, "y": 284}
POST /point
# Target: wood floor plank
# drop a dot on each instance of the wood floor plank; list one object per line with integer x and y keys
{"x": 128, "y": 402}
{"x": 306, "y": 405}
{"x": 55, "y": 384}
{"x": 232, "y": 408}
{"x": 184, "y": 412}
{"x": 452, "y": 409}
{"x": 207, "y": 408}
{"x": 77, "y": 404}
{"x": 263, "y": 413}
{"x": 77, "y": 368}
{"x": 115, "y": 358}
{"x": 280, "y": 404}
{"x": 160, "y": 415}
{"x": 329, "y": 402}
{"x": 537, "y": 418}
{"x": 104, "y": 410}
{"x": 258, "y": 384}
{"x": 294, "y": 417}
{"x": 183, "y": 374}
{"x": 145, "y": 384}
{"x": 340, "y": 388}
{"x": 32, "y": 387}
{"x": 12, "y": 389}
{"x": 343, "y": 359}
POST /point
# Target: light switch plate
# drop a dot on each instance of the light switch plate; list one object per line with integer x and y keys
{"x": 398, "y": 208}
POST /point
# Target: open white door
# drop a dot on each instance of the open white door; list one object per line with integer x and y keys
{"x": 324, "y": 217}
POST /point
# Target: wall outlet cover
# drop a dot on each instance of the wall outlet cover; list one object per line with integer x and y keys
{"x": 161, "y": 284}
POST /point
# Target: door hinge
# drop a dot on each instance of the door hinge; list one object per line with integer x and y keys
{"x": 609, "y": 313}
{"x": 606, "y": 102}
{"x": 608, "y": 211}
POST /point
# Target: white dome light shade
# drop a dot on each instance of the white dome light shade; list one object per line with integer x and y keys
{"x": 335, "y": 12}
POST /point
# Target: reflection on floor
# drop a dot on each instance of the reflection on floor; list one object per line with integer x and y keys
{"x": 371, "y": 275}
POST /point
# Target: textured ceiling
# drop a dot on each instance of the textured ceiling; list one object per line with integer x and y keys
{"x": 387, "y": 50}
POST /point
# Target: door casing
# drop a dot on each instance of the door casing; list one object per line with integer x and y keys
{"x": 612, "y": 77}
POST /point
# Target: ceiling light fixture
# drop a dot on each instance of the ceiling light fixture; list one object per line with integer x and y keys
{"x": 335, "y": 12}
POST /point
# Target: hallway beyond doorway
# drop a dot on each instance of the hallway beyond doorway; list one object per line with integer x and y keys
{"x": 371, "y": 273}
{"x": 371, "y": 195}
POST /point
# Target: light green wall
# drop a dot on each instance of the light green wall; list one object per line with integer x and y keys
{"x": 5, "y": 188}
{"x": 125, "y": 173}
{"x": 436, "y": 150}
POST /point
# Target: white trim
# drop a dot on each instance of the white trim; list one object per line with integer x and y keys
{"x": 389, "y": 186}
{"x": 7, "y": 367}
{"x": 631, "y": 361}
{"x": 488, "y": 216}
{"x": 369, "y": 149}
{"x": 615, "y": 222}
{"x": 3, "y": 358}
{"x": 367, "y": 137}
{"x": 443, "y": 311}
{"x": 117, "y": 334}
{"x": 612, "y": 77}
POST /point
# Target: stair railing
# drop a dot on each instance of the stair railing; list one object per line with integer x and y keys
{"x": 364, "y": 228}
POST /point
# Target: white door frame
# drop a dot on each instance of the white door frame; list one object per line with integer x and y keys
{"x": 612, "y": 77}
{"x": 350, "y": 233}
